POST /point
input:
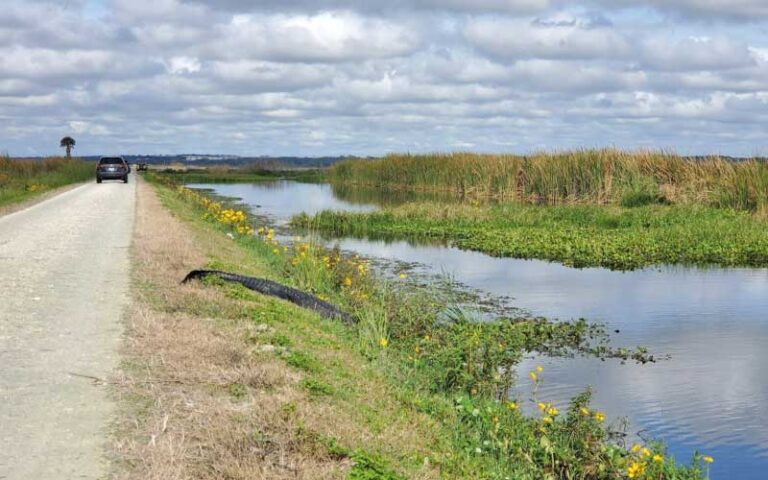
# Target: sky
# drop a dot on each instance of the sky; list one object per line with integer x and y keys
{"x": 369, "y": 77}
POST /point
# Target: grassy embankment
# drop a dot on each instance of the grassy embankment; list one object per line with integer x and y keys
{"x": 23, "y": 179}
{"x": 590, "y": 208}
{"x": 410, "y": 391}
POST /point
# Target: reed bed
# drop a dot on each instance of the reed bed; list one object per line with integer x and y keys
{"x": 601, "y": 176}
{"x": 21, "y": 179}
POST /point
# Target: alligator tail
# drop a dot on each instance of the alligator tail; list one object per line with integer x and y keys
{"x": 268, "y": 287}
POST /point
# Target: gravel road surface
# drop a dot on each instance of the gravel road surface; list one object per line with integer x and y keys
{"x": 64, "y": 277}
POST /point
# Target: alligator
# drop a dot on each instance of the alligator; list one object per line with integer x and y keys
{"x": 268, "y": 287}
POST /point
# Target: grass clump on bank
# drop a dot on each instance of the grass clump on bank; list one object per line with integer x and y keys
{"x": 23, "y": 179}
{"x": 606, "y": 176}
{"x": 576, "y": 235}
{"x": 439, "y": 372}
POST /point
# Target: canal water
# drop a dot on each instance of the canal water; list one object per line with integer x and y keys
{"x": 710, "y": 396}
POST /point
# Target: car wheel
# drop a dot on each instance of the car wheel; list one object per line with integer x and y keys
{"x": 98, "y": 180}
{"x": 125, "y": 179}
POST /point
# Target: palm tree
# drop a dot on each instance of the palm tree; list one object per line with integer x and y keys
{"x": 69, "y": 144}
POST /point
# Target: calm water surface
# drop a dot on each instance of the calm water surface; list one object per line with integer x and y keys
{"x": 711, "y": 396}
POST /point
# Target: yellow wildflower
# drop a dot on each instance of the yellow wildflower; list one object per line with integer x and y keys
{"x": 383, "y": 342}
{"x": 533, "y": 376}
{"x": 600, "y": 416}
{"x": 635, "y": 469}
{"x": 542, "y": 406}
{"x": 347, "y": 281}
{"x": 658, "y": 458}
{"x": 547, "y": 420}
{"x": 403, "y": 276}
{"x": 635, "y": 448}
{"x": 584, "y": 411}
{"x": 512, "y": 406}
{"x": 539, "y": 369}
{"x": 552, "y": 411}
{"x": 707, "y": 459}
{"x": 646, "y": 452}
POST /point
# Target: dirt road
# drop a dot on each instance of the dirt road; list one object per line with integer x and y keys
{"x": 64, "y": 277}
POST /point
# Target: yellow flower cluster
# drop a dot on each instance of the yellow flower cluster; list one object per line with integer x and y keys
{"x": 548, "y": 412}
{"x": 237, "y": 220}
{"x": 355, "y": 269}
{"x": 231, "y": 217}
{"x": 267, "y": 235}
{"x": 534, "y": 374}
{"x": 636, "y": 469}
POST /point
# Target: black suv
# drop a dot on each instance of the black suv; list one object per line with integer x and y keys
{"x": 112, "y": 168}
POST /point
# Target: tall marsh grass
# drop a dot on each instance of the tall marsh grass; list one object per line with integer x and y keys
{"x": 20, "y": 179}
{"x": 605, "y": 176}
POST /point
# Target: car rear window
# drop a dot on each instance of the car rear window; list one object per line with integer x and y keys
{"x": 111, "y": 161}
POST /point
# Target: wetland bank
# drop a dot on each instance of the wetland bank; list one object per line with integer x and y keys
{"x": 708, "y": 318}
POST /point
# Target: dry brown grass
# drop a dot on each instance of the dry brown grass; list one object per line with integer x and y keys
{"x": 180, "y": 419}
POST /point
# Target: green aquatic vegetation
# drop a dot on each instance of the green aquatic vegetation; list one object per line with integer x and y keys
{"x": 579, "y": 235}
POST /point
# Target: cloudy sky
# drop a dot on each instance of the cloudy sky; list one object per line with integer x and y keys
{"x": 366, "y": 77}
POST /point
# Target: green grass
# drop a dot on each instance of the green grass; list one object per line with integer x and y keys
{"x": 427, "y": 362}
{"x": 24, "y": 179}
{"x": 607, "y": 176}
{"x": 577, "y": 235}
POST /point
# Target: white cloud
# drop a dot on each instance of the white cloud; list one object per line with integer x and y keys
{"x": 182, "y": 65}
{"x": 514, "y": 39}
{"x": 695, "y": 53}
{"x": 329, "y": 36}
{"x": 44, "y": 63}
{"x": 737, "y": 9}
{"x": 256, "y": 75}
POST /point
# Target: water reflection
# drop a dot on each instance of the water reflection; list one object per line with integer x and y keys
{"x": 357, "y": 195}
{"x": 714, "y": 322}
{"x": 281, "y": 199}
